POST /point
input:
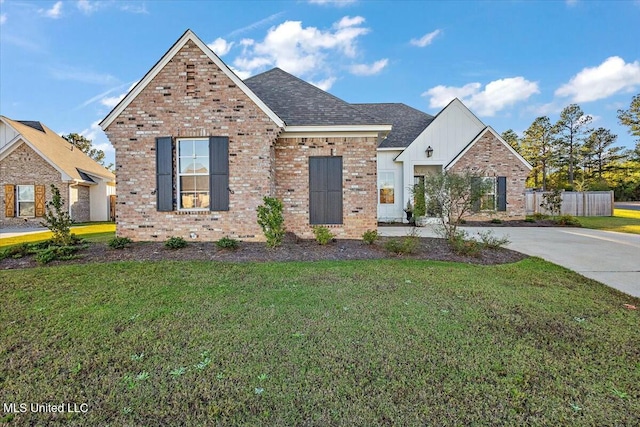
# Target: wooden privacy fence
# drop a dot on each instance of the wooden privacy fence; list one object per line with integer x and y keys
{"x": 576, "y": 203}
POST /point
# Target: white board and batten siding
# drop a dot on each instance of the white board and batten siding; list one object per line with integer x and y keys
{"x": 7, "y": 134}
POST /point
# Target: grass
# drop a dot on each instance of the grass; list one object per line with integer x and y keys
{"x": 623, "y": 220}
{"x": 92, "y": 232}
{"x": 394, "y": 342}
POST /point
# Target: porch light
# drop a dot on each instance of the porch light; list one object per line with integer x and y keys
{"x": 429, "y": 151}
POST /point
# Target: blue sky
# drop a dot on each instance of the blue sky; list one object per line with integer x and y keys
{"x": 66, "y": 63}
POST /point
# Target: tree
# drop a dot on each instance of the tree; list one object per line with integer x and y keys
{"x": 86, "y": 146}
{"x": 571, "y": 129}
{"x": 599, "y": 155}
{"x": 536, "y": 148}
{"x": 511, "y": 138}
{"x": 456, "y": 194}
{"x": 631, "y": 118}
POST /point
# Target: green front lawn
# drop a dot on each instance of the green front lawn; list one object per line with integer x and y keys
{"x": 398, "y": 342}
{"x": 623, "y": 220}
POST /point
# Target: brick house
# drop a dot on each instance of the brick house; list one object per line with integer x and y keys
{"x": 32, "y": 157}
{"x": 454, "y": 140}
{"x": 197, "y": 149}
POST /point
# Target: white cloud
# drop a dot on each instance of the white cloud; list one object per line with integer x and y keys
{"x": 339, "y": 3}
{"x": 55, "y": 12}
{"x": 87, "y": 7}
{"x": 3, "y": 18}
{"x": 495, "y": 96}
{"x": 255, "y": 25}
{"x": 425, "y": 40}
{"x": 220, "y": 46}
{"x": 325, "y": 84}
{"x": 302, "y": 50}
{"x": 81, "y": 75}
{"x": 368, "y": 69}
{"x": 571, "y": 3}
{"x": 602, "y": 81}
{"x": 112, "y": 101}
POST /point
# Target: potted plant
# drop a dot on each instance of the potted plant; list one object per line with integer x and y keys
{"x": 409, "y": 210}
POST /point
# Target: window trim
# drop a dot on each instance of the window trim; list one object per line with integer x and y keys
{"x": 179, "y": 174}
{"x": 32, "y": 201}
{"x": 493, "y": 192}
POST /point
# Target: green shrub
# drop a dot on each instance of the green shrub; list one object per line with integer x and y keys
{"x": 227, "y": 243}
{"x": 119, "y": 242}
{"x": 323, "y": 234}
{"x": 489, "y": 240}
{"x": 58, "y": 220}
{"x": 175, "y": 243}
{"x": 567, "y": 220}
{"x": 539, "y": 216}
{"x": 271, "y": 221}
{"x": 18, "y": 251}
{"x": 496, "y": 221}
{"x": 370, "y": 236}
{"x": 529, "y": 219}
{"x": 53, "y": 253}
{"x": 406, "y": 245}
{"x": 461, "y": 244}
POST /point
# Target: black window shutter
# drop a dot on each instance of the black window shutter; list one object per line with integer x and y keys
{"x": 164, "y": 174}
{"x": 476, "y": 184}
{"x": 219, "y": 173}
{"x": 502, "y": 193}
{"x": 325, "y": 190}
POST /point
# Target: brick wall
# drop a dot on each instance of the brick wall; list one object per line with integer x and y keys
{"x": 358, "y": 178}
{"x": 81, "y": 208}
{"x": 25, "y": 167}
{"x": 489, "y": 157}
{"x": 192, "y": 97}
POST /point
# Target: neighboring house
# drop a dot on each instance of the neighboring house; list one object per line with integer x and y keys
{"x": 32, "y": 157}
{"x": 197, "y": 149}
{"x": 454, "y": 140}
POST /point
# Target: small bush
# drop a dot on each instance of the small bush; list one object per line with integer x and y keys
{"x": 496, "y": 221}
{"x": 227, "y": 243}
{"x": 370, "y": 236}
{"x": 567, "y": 220}
{"x": 461, "y": 244}
{"x": 323, "y": 234}
{"x": 407, "y": 245}
{"x": 539, "y": 216}
{"x": 489, "y": 240}
{"x": 17, "y": 251}
{"x": 119, "y": 242}
{"x": 175, "y": 243}
{"x": 271, "y": 221}
{"x": 53, "y": 253}
{"x": 529, "y": 219}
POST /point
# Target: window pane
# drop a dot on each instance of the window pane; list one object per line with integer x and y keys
{"x": 26, "y": 209}
{"x": 386, "y": 186}
{"x": 187, "y": 183}
{"x": 201, "y": 148}
{"x": 202, "y": 183}
{"x": 187, "y": 200}
{"x": 202, "y": 200}
{"x": 185, "y": 148}
{"x": 26, "y": 193}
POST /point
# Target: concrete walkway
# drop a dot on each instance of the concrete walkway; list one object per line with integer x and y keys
{"x": 606, "y": 256}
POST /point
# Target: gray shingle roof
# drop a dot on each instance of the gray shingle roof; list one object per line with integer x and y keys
{"x": 299, "y": 103}
{"x": 407, "y": 122}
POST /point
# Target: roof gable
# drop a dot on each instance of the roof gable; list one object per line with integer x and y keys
{"x": 300, "y": 103}
{"x": 477, "y": 138}
{"x": 184, "y": 39}
{"x": 54, "y": 149}
{"x": 407, "y": 122}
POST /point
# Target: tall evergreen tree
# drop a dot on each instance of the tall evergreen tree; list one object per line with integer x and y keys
{"x": 631, "y": 117}
{"x": 571, "y": 129}
{"x": 599, "y": 153}
{"x": 511, "y": 138}
{"x": 537, "y": 148}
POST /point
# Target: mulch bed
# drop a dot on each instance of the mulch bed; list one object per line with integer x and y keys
{"x": 291, "y": 250}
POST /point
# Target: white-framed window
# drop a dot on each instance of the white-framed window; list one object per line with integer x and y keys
{"x": 193, "y": 174}
{"x": 488, "y": 200}
{"x": 26, "y": 200}
{"x": 386, "y": 188}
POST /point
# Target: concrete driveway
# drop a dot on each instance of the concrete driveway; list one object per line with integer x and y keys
{"x": 608, "y": 257}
